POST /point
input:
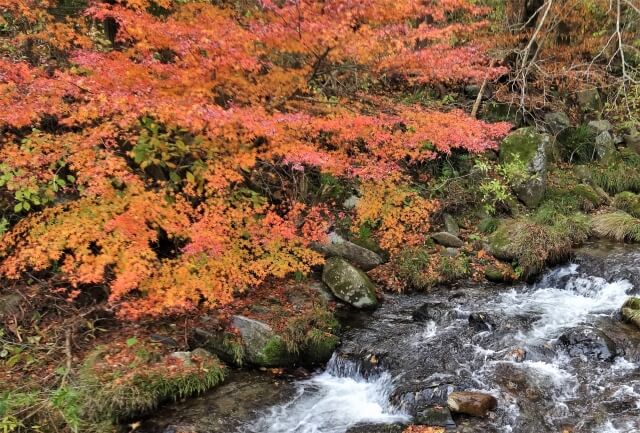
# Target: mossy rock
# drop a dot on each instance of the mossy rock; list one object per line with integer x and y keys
{"x": 631, "y": 311}
{"x": 528, "y": 147}
{"x": 497, "y": 275}
{"x": 125, "y": 381}
{"x": 349, "y": 283}
{"x": 262, "y": 346}
{"x": 532, "y": 245}
{"x": 320, "y": 347}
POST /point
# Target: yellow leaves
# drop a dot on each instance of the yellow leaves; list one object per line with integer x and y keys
{"x": 399, "y": 215}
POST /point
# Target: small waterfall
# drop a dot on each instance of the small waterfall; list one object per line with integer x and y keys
{"x": 344, "y": 395}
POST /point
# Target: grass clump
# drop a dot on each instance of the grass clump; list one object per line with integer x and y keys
{"x": 628, "y": 202}
{"x": 577, "y": 145}
{"x": 122, "y": 381}
{"x": 532, "y": 243}
{"x": 631, "y": 311}
{"x": 617, "y": 225}
{"x": 621, "y": 175}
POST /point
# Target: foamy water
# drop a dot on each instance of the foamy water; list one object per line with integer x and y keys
{"x": 333, "y": 401}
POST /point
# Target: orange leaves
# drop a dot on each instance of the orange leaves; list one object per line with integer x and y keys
{"x": 239, "y": 102}
{"x": 400, "y": 215}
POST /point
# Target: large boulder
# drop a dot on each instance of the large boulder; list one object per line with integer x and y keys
{"x": 450, "y": 224}
{"x": 337, "y": 246}
{"x": 605, "y": 146}
{"x": 631, "y": 311}
{"x": 589, "y": 100}
{"x": 529, "y": 147}
{"x": 447, "y": 240}
{"x": 260, "y": 343}
{"x": 471, "y": 403}
{"x": 349, "y": 283}
{"x": 588, "y": 342}
{"x": 557, "y": 122}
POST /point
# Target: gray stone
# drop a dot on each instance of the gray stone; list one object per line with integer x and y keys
{"x": 557, "y": 122}
{"x": 262, "y": 346}
{"x": 601, "y": 126}
{"x": 531, "y": 148}
{"x": 606, "y": 146}
{"x": 351, "y": 202}
{"x": 450, "y": 224}
{"x": 447, "y": 239}
{"x": 589, "y": 100}
{"x": 482, "y": 321}
{"x": 336, "y": 246}
{"x": 435, "y": 416}
{"x": 349, "y": 283}
{"x": 471, "y": 403}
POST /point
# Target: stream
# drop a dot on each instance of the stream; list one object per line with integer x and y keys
{"x": 554, "y": 353}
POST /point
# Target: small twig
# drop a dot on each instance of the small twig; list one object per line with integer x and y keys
{"x": 476, "y": 104}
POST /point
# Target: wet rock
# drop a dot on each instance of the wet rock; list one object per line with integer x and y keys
{"x": 631, "y": 311}
{"x": 450, "y": 225}
{"x": 447, "y": 239}
{"x": 496, "y": 275}
{"x": 262, "y": 346}
{"x": 520, "y": 382}
{"x": 589, "y": 342}
{"x": 225, "y": 409}
{"x": 557, "y": 122}
{"x": 482, "y": 322}
{"x": 376, "y": 428}
{"x": 529, "y": 147}
{"x": 435, "y": 311}
{"x": 336, "y": 246}
{"x": 349, "y": 283}
{"x": 435, "y": 416}
{"x": 516, "y": 355}
{"x": 471, "y": 403}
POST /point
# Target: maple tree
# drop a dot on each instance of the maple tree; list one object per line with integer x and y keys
{"x": 177, "y": 152}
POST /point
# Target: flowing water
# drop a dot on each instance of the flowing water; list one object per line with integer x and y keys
{"x": 555, "y": 355}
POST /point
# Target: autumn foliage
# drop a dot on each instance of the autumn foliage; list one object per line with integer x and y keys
{"x": 179, "y": 152}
